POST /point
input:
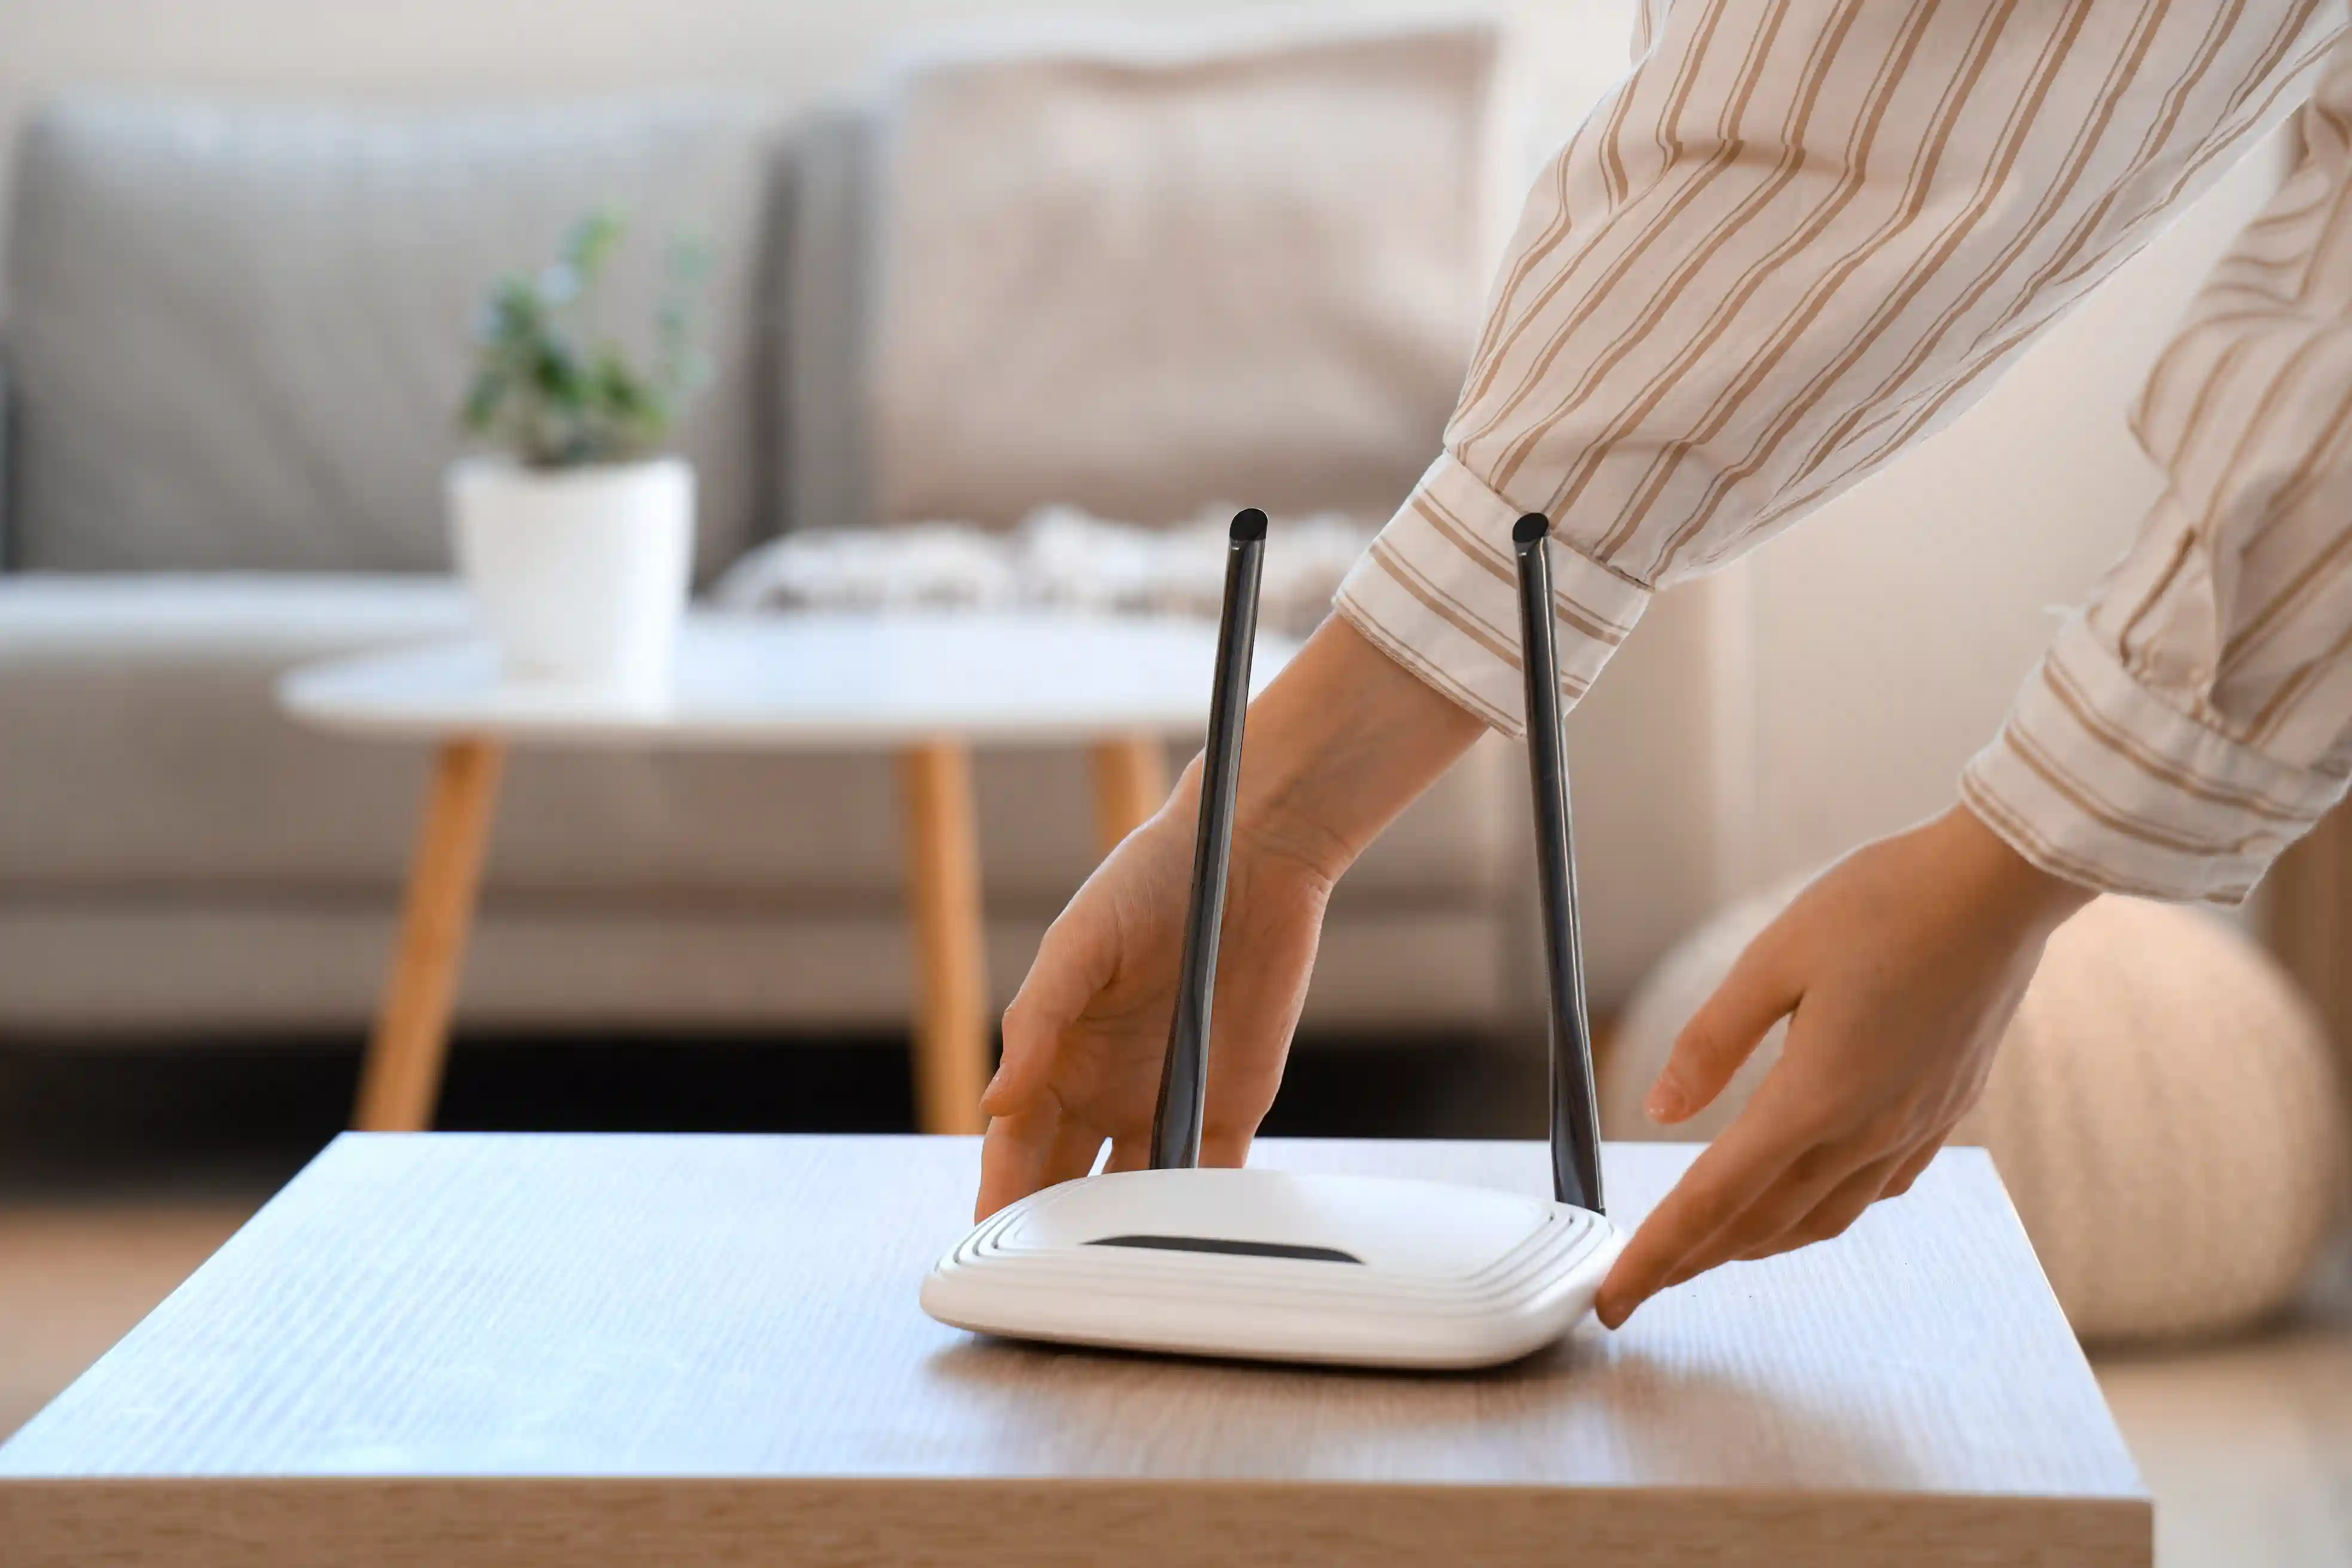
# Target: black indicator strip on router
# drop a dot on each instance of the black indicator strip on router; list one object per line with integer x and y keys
{"x": 1231, "y": 1248}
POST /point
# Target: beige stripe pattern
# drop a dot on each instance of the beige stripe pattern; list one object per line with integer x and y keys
{"x": 1801, "y": 235}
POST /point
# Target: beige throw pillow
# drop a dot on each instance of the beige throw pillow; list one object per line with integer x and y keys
{"x": 1144, "y": 272}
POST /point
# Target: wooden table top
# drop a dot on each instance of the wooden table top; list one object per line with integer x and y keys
{"x": 517, "y": 1349}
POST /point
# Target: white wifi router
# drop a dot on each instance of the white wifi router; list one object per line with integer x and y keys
{"x": 1279, "y": 1266}
{"x": 1285, "y": 1265}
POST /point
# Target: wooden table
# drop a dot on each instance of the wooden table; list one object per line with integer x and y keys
{"x": 576, "y": 1350}
{"x": 928, "y": 687}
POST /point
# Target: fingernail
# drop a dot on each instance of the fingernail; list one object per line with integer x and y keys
{"x": 1665, "y": 1101}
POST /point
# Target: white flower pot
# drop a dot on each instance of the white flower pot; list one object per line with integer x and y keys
{"x": 579, "y": 574}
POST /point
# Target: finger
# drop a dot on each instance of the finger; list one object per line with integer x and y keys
{"x": 1837, "y": 1213}
{"x": 1074, "y": 1149}
{"x": 1801, "y": 1189}
{"x": 1750, "y": 1155}
{"x": 1837, "y": 1209}
{"x": 1908, "y": 1172}
{"x": 1683, "y": 1275}
{"x": 1959, "y": 1098}
{"x": 1073, "y": 963}
{"x": 1722, "y": 1034}
{"x": 1225, "y": 1146}
{"x": 1237, "y": 1100}
{"x": 1012, "y": 1157}
{"x": 1128, "y": 1154}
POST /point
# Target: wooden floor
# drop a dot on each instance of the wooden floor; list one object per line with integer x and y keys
{"x": 75, "y": 1276}
{"x": 2247, "y": 1447}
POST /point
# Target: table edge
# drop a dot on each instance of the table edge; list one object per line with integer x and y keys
{"x": 525, "y": 1521}
{"x": 295, "y": 696}
{"x": 619, "y": 729}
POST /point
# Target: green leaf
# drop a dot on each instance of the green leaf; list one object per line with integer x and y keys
{"x": 553, "y": 390}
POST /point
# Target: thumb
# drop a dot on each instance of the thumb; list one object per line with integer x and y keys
{"x": 1722, "y": 1033}
{"x": 1074, "y": 961}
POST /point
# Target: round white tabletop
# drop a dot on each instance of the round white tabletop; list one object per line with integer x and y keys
{"x": 773, "y": 680}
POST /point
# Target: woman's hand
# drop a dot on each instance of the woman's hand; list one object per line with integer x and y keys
{"x": 1085, "y": 1039}
{"x": 1339, "y": 743}
{"x": 1898, "y": 970}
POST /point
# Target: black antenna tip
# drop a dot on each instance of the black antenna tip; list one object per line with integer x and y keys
{"x": 1249, "y": 523}
{"x": 1530, "y": 528}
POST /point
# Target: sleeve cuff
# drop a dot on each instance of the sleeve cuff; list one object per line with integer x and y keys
{"x": 2097, "y": 780}
{"x": 1438, "y": 593}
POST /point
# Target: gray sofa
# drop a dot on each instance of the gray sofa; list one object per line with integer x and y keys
{"x": 232, "y": 344}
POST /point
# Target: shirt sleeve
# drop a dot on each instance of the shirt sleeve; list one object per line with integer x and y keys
{"x": 1798, "y": 236}
{"x": 2197, "y": 717}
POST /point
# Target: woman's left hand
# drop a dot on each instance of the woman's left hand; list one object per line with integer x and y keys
{"x": 1898, "y": 970}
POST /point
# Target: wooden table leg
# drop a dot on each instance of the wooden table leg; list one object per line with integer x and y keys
{"x": 1130, "y": 783}
{"x": 954, "y": 1032}
{"x": 401, "y": 1083}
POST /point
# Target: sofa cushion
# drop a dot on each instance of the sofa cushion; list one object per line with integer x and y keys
{"x": 825, "y": 283}
{"x": 1150, "y": 272}
{"x": 240, "y": 335}
{"x": 235, "y": 965}
{"x": 146, "y": 757}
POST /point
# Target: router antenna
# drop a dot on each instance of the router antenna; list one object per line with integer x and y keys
{"x": 1184, "y": 1076}
{"x": 1575, "y": 1120}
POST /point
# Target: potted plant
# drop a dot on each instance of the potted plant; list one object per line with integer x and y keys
{"x": 576, "y": 533}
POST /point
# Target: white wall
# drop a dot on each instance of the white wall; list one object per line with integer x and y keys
{"x": 1889, "y": 631}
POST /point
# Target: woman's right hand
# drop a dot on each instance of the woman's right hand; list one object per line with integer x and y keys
{"x": 1339, "y": 743}
{"x": 1085, "y": 1038}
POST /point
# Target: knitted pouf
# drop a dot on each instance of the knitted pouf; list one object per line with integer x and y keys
{"x": 2165, "y": 1110}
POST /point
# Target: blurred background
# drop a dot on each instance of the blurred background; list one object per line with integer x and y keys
{"x": 995, "y": 304}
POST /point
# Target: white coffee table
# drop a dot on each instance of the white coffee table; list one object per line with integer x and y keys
{"x": 927, "y": 687}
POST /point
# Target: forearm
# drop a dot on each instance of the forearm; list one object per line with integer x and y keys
{"x": 1337, "y": 746}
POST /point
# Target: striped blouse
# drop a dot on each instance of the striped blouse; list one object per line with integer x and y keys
{"x": 1803, "y": 233}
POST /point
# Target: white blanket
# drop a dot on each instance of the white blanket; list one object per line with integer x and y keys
{"x": 1059, "y": 557}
